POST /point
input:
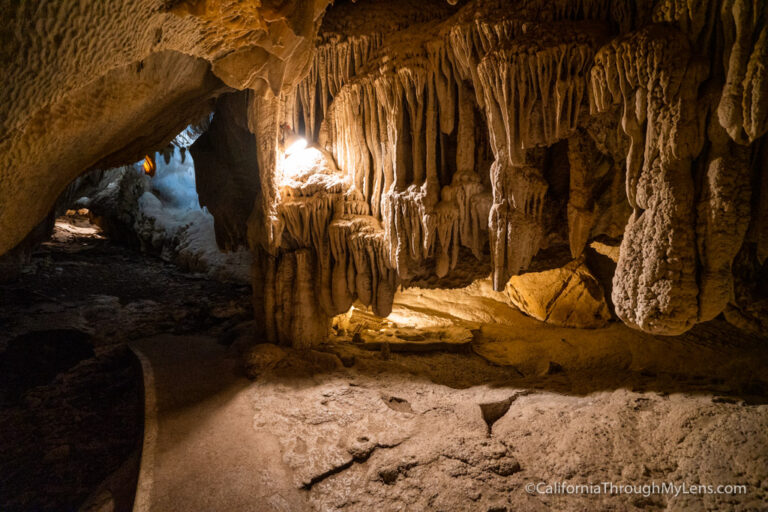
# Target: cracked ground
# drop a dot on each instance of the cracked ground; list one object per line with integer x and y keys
{"x": 452, "y": 432}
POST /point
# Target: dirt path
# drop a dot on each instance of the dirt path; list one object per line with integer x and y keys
{"x": 71, "y": 405}
{"x": 201, "y": 451}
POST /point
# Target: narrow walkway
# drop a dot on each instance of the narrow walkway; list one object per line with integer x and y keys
{"x": 201, "y": 451}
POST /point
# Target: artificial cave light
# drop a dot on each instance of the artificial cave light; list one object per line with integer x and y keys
{"x": 149, "y": 166}
{"x": 294, "y": 143}
{"x": 302, "y": 162}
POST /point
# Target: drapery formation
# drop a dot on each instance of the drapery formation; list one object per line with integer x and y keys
{"x": 438, "y": 135}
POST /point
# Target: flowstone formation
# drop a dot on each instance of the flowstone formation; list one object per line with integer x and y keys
{"x": 439, "y": 132}
{"x": 510, "y": 128}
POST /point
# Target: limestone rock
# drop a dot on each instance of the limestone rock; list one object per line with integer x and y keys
{"x": 225, "y": 161}
{"x": 722, "y": 220}
{"x": 262, "y": 357}
{"x": 415, "y": 340}
{"x": 655, "y": 284}
{"x": 89, "y": 84}
{"x": 569, "y": 296}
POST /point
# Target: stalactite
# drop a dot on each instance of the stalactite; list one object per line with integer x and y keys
{"x": 468, "y": 197}
{"x": 471, "y": 40}
{"x": 383, "y": 130}
{"x": 227, "y": 179}
{"x": 328, "y": 253}
{"x": 403, "y": 189}
{"x": 264, "y": 118}
{"x": 696, "y": 19}
{"x": 515, "y": 230}
{"x": 532, "y": 87}
{"x": 652, "y": 74}
{"x": 335, "y": 63}
{"x": 743, "y": 108}
{"x": 583, "y": 157}
{"x": 361, "y": 264}
{"x": 535, "y": 85}
{"x": 723, "y": 214}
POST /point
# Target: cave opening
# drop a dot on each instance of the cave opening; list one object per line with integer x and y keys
{"x": 383, "y": 255}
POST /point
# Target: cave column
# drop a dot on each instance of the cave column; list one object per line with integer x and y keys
{"x": 285, "y": 282}
{"x": 465, "y": 151}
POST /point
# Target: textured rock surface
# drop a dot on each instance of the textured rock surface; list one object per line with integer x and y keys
{"x": 447, "y": 431}
{"x": 341, "y": 427}
{"x": 89, "y": 84}
{"x": 655, "y": 283}
{"x": 226, "y": 170}
{"x": 568, "y": 296}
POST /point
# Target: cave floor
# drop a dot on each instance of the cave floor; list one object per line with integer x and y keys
{"x": 344, "y": 428}
{"x": 348, "y": 426}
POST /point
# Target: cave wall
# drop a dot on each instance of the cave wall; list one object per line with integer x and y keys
{"x": 92, "y": 84}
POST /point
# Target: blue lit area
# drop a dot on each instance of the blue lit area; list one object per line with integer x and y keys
{"x": 174, "y": 174}
{"x": 167, "y": 216}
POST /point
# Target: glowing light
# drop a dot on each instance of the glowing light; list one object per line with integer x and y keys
{"x": 294, "y": 143}
{"x": 301, "y": 161}
{"x": 149, "y": 166}
{"x": 291, "y": 141}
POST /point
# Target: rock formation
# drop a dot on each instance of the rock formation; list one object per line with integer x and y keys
{"x": 94, "y": 85}
{"x": 569, "y": 296}
{"x": 437, "y": 130}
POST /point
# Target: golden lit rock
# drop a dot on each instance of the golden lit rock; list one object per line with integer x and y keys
{"x": 569, "y": 296}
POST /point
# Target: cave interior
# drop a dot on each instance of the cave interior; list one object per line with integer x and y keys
{"x": 383, "y": 254}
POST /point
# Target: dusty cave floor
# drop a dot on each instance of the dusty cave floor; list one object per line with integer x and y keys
{"x": 81, "y": 280}
{"x": 345, "y": 427}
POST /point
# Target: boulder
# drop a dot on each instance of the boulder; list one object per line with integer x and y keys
{"x": 262, "y": 357}
{"x": 569, "y": 296}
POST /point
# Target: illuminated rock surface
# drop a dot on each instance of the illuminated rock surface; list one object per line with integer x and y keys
{"x": 568, "y": 296}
